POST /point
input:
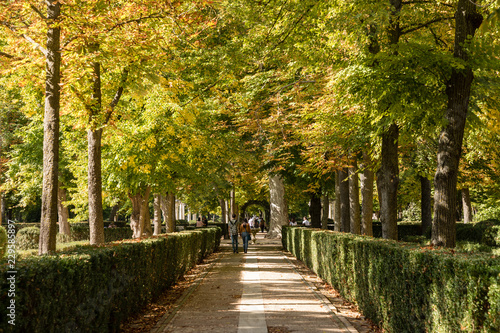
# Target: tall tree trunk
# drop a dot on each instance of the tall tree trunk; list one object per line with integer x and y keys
{"x": 232, "y": 199}
{"x": 367, "y": 179}
{"x": 337, "y": 210}
{"x": 223, "y": 207}
{"x": 467, "y": 205}
{"x": 388, "y": 174}
{"x": 467, "y": 20}
{"x": 279, "y": 206}
{"x": 140, "y": 213}
{"x": 113, "y": 215}
{"x": 387, "y": 183}
{"x": 145, "y": 217}
{"x": 94, "y": 135}
{"x": 425, "y": 204}
{"x": 325, "y": 204}
{"x": 48, "y": 221}
{"x": 170, "y": 208}
{"x": 222, "y": 203}
{"x": 315, "y": 209}
{"x": 157, "y": 214}
{"x": 96, "y": 222}
{"x": 354, "y": 208}
{"x": 62, "y": 210}
{"x": 345, "y": 214}
{"x": 135, "y": 215}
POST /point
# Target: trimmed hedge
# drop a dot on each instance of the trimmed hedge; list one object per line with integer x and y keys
{"x": 28, "y": 238}
{"x": 491, "y": 236}
{"x": 93, "y": 289}
{"x": 402, "y": 287}
{"x": 484, "y": 232}
{"x": 3, "y": 241}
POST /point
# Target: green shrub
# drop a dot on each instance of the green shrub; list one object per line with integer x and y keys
{"x": 28, "y": 238}
{"x": 63, "y": 238}
{"x": 487, "y": 213}
{"x": 3, "y": 241}
{"x": 79, "y": 231}
{"x": 472, "y": 247}
{"x": 491, "y": 236}
{"x": 403, "y": 287}
{"x": 405, "y": 229}
{"x": 20, "y": 225}
{"x": 116, "y": 234}
{"x": 93, "y": 289}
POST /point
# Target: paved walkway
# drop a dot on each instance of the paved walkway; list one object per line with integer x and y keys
{"x": 260, "y": 291}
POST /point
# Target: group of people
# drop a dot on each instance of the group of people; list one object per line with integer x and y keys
{"x": 201, "y": 222}
{"x": 244, "y": 230}
{"x": 305, "y": 222}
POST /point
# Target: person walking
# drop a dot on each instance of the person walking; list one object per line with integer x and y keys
{"x": 233, "y": 230}
{"x": 245, "y": 234}
{"x": 262, "y": 224}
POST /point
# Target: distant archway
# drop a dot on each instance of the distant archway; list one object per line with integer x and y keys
{"x": 262, "y": 203}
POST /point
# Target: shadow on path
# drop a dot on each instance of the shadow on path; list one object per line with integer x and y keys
{"x": 263, "y": 290}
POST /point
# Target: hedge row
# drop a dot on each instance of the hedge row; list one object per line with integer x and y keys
{"x": 94, "y": 289}
{"x": 484, "y": 232}
{"x": 81, "y": 232}
{"x": 402, "y": 287}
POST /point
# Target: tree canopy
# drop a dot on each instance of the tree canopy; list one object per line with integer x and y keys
{"x": 197, "y": 98}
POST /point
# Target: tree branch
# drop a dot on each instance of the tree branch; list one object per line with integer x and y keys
{"x": 137, "y": 20}
{"x": 276, "y": 20}
{"x": 6, "y": 55}
{"x": 294, "y": 26}
{"x": 426, "y": 24}
{"x": 117, "y": 96}
{"x": 206, "y": 89}
{"x": 28, "y": 38}
{"x": 38, "y": 12}
{"x": 37, "y": 46}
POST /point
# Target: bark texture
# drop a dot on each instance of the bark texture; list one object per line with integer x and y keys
{"x": 337, "y": 210}
{"x": 315, "y": 210}
{"x": 96, "y": 222}
{"x": 367, "y": 179}
{"x": 145, "y": 218}
{"x": 387, "y": 183}
{"x": 170, "y": 208}
{"x": 140, "y": 222}
{"x": 156, "y": 215}
{"x": 113, "y": 215}
{"x": 466, "y": 203}
{"x": 345, "y": 219}
{"x": 354, "y": 207}
{"x": 63, "y": 211}
{"x": 325, "y": 204}
{"x": 279, "y": 207}
{"x": 232, "y": 199}
{"x": 48, "y": 221}
{"x": 425, "y": 204}
{"x": 458, "y": 87}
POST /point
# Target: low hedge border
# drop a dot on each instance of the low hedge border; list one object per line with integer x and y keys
{"x": 402, "y": 287}
{"x": 93, "y": 289}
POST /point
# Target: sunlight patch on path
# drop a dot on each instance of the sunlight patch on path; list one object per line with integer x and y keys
{"x": 252, "y": 314}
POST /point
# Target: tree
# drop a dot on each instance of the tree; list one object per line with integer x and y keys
{"x": 467, "y": 21}
{"x": 279, "y": 207}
